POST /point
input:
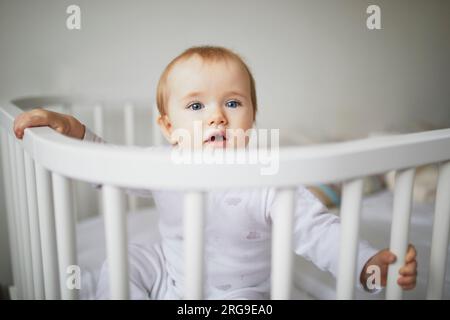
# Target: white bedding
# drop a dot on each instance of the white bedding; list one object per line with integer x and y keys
{"x": 142, "y": 228}
{"x": 375, "y": 227}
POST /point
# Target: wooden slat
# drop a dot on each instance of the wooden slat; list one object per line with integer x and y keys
{"x": 193, "y": 220}
{"x": 116, "y": 242}
{"x": 439, "y": 243}
{"x": 10, "y": 210}
{"x": 35, "y": 237}
{"x": 22, "y": 289}
{"x": 47, "y": 231}
{"x": 404, "y": 180}
{"x": 349, "y": 233}
{"x": 282, "y": 244}
{"x": 65, "y": 235}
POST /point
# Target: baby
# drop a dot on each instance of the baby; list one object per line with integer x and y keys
{"x": 213, "y": 86}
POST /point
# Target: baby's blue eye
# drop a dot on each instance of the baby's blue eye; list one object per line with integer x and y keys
{"x": 196, "y": 106}
{"x": 232, "y": 104}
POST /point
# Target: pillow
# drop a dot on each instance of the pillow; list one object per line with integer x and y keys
{"x": 425, "y": 183}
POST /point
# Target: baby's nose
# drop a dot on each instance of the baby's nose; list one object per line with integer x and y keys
{"x": 217, "y": 118}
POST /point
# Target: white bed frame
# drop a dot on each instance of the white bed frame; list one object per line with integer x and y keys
{"x": 37, "y": 174}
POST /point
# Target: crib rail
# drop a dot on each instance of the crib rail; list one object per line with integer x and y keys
{"x": 37, "y": 179}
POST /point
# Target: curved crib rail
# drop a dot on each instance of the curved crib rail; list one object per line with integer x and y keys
{"x": 38, "y": 169}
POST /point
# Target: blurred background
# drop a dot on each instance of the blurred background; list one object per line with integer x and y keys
{"x": 321, "y": 74}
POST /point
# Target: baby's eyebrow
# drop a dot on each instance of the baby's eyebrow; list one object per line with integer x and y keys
{"x": 196, "y": 94}
{"x": 192, "y": 95}
{"x": 235, "y": 93}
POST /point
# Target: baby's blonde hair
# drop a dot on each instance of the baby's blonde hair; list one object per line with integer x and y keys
{"x": 208, "y": 54}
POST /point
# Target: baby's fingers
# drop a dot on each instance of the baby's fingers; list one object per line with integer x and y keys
{"x": 407, "y": 283}
{"x": 410, "y": 254}
{"x": 410, "y": 269}
{"x": 29, "y": 119}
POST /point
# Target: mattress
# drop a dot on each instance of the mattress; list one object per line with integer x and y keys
{"x": 309, "y": 281}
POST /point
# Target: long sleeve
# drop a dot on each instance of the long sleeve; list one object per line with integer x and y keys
{"x": 317, "y": 235}
{"x": 92, "y": 137}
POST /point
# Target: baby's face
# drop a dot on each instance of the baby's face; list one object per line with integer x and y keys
{"x": 214, "y": 95}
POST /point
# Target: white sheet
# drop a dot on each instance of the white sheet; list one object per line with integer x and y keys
{"x": 142, "y": 228}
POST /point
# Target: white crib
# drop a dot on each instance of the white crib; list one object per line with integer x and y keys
{"x": 39, "y": 169}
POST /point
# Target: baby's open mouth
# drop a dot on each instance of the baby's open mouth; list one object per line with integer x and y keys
{"x": 216, "y": 138}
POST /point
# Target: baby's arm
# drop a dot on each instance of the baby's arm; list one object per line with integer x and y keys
{"x": 66, "y": 125}
{"x": 39, "y": 117}
{"x": 92, "y": 137}
{"x": 316, "y": 237}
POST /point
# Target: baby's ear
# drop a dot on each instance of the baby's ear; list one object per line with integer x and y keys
{"x": 166, "y": 127}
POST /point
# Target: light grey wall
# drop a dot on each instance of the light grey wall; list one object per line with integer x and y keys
{"x": 318, "y": 70}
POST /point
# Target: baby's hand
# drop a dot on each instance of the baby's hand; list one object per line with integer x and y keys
{"x": 62, "y": 123}
{"x": 407, "y": 274}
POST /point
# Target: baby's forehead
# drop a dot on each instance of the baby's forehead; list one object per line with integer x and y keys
{"x": 196, "y": 60}
{"x": 195, "y": 64}
{"x": 196, "y": 69}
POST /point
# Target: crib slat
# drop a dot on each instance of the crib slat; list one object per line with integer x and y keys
{"x": 99, "y": 120}
{"x": 36, "y": 258}
{"x": 129, "y": 124}
{"x": 116, "y": 241}
{"x": 65, "y": 234}
{"x": 282, "y": 244}
{"x": 349, "y": 234}
{"x": 99, "y": 131}
{"x": 7, "y": 183}
{"x": 21, "y": 288}
{"x": 130, "y": 127}
{"x": 193, "y": 222}
{"x": 404, "y": 180}
{"x": 44, "y": 194}
{"x": 439, "y": 243}
{"x": 24, "y": 222}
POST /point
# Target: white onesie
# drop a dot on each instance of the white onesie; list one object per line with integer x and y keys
{"x": 237, "y": 244}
